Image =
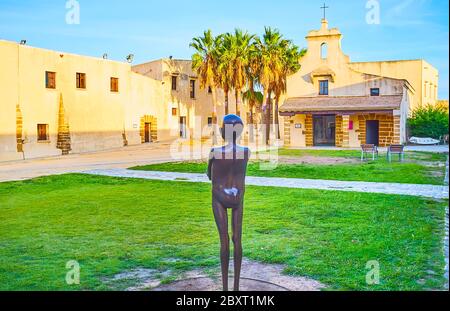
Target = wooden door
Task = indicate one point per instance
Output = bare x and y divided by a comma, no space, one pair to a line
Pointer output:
372,132
147,130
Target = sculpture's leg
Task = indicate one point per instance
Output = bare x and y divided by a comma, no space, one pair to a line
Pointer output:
237,242
221,217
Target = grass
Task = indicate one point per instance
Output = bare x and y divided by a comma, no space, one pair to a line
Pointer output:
348,153
413,172
111,225
319,153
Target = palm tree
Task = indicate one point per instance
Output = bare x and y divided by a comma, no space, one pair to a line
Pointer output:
205,62
224,67
291,56
252,72
271,69
241,45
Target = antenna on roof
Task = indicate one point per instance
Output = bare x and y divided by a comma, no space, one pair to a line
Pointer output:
170,57
105,56
23,42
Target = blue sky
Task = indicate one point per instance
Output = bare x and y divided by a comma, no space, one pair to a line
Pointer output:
150,29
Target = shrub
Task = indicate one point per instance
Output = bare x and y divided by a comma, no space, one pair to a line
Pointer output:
429,121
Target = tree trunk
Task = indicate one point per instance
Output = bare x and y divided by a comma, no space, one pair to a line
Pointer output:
267,113
226,102
238,101
251,106
214,116
251,121
277,122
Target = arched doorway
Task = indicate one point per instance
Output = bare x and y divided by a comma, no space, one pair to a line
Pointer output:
149,129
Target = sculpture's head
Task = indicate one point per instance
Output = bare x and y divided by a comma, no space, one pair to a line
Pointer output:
232,128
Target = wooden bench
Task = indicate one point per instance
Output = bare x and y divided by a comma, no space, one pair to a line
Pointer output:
367,149
396,149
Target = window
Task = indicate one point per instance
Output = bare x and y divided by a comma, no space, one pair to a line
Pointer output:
174,112
425,89
323,87
192,89
81,80
42,132
174,83
324,51
115,85
210,121
375,91
50,79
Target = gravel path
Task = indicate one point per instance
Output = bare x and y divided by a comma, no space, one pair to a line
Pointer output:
431,191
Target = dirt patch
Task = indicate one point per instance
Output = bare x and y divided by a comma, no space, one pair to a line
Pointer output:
210,284
311,160
255,276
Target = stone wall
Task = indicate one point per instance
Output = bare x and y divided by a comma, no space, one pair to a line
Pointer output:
345,131
339,131
309,130
287,131
389,131
64,142
19,129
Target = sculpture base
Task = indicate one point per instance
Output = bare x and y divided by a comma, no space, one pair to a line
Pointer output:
209,284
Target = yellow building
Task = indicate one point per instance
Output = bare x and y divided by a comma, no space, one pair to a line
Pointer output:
191,108
53,103
330,102
422,76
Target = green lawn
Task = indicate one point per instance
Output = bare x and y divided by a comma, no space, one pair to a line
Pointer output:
373,171
111,225
409,155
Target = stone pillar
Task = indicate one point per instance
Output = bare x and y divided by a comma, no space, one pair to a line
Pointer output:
396,138
339,132
19,129
309,131
287,131
63,142
362,129
345,133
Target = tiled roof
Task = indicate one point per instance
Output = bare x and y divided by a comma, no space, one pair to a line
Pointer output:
341,103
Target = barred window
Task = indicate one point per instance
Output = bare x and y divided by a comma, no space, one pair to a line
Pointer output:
42,132
81,80
174,83
50,79
323,87
375,91
192,89
114,84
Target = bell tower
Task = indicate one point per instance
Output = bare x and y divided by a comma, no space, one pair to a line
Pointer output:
324,45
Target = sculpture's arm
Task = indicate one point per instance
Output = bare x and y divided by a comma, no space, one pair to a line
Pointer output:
210,162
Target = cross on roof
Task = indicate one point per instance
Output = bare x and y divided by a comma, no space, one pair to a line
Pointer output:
324,7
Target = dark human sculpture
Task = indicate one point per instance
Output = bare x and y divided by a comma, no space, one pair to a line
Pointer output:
226,169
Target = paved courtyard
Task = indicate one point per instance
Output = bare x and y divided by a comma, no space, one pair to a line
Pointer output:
75,163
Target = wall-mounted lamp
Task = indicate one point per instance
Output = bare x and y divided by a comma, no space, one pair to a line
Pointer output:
130,58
